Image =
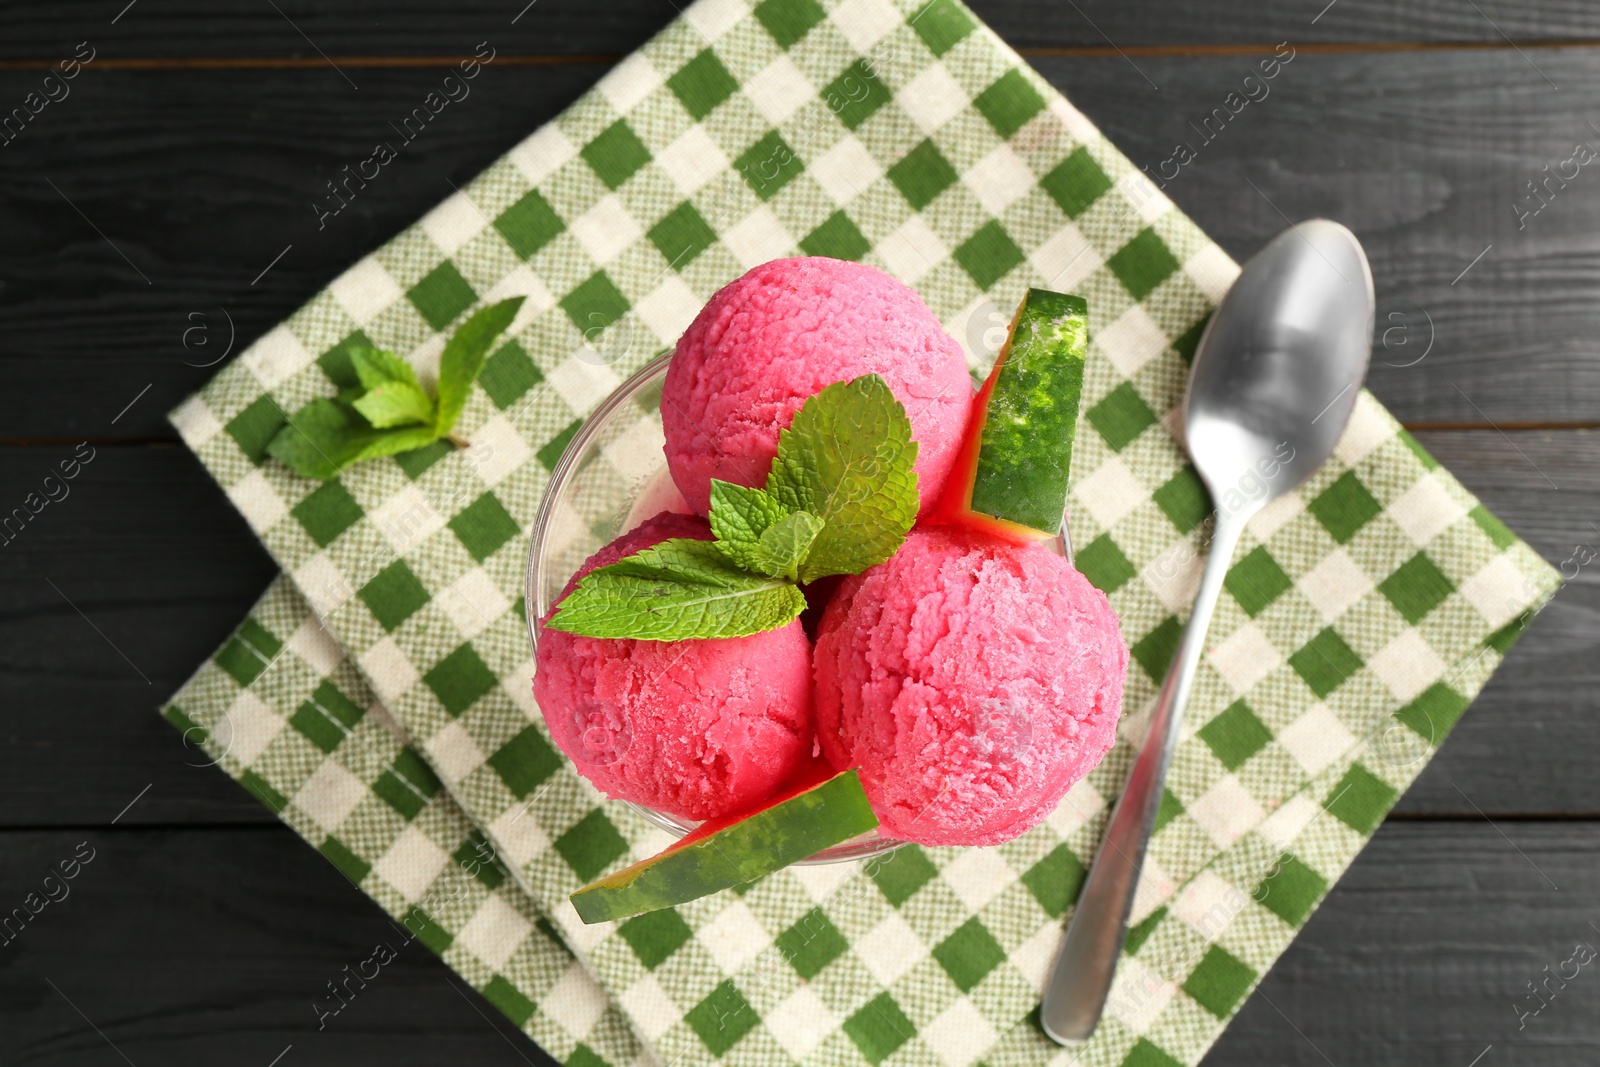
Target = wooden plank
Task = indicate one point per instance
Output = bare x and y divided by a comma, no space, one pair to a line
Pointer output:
194,947
203,214
1416,957
162,568
1423,952
1422,154
159,560
418,27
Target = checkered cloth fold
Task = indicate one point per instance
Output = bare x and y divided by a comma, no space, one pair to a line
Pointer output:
378,698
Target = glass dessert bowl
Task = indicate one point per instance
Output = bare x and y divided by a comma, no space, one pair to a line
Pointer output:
611,477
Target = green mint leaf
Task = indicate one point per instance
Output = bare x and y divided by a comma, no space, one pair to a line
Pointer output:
784,545
739,516
325,437
847,458
680,588
376,367
464,354
395,403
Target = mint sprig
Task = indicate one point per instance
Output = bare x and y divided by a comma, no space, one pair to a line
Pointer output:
847,459
840,497
391,412
677,589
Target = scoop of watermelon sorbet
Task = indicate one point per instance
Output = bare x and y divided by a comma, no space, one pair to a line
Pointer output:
775,337
696,729
972,681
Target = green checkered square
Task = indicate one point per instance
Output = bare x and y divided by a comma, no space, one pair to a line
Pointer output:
1076,183
879,1028
812,943
1104,564
507,376
1433,712
682,234
1291,889
701,84
442,295
416,462
407,785
595,304
655,936
969,954
1235,735
1256,580
525,762
617,154
1325,662
255,427
1184,500
326,512
550,454
327,717
483,526
855,95
942,25
592,845
722,1018
837,238
1146,1053
1361,800
394,595
1417,587
789,20
922,174
1220,982
529,224
1009,103
989,254
459,679
1143,263
902,874
1120,416
249,652
768,165
1344,507
1055,880
1154,650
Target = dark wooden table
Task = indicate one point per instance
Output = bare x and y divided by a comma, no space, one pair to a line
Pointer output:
141,213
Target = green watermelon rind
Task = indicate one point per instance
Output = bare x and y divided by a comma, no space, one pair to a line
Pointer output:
1025,454
768,840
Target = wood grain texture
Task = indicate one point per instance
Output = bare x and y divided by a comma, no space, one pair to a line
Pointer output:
1415,960
199,181
209,947
1423,155
1418,956
244,28
199,139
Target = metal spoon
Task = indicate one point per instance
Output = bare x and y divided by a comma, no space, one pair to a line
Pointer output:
1275,378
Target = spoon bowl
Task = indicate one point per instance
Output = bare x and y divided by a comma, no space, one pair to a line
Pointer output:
1279,366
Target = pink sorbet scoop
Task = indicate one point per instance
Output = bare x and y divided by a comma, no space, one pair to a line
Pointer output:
696,729
780,334
972,680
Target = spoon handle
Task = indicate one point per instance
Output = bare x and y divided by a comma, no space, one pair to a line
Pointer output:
1076,993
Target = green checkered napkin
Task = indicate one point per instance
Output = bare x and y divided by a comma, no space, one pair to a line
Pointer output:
1365,611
